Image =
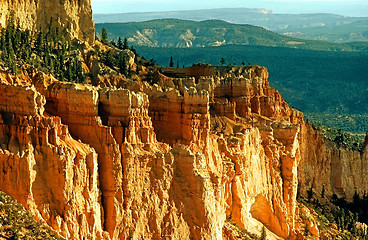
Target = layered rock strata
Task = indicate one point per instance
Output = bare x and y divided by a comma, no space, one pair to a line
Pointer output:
44,168
327,167
147,162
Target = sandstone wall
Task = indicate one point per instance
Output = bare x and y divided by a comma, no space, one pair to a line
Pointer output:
44,168
74,16
141,162
235,177
337,169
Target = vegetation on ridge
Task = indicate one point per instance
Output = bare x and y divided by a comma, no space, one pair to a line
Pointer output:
49,50
344,139
17,223
335,216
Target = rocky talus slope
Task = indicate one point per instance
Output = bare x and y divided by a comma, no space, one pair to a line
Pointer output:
174,160
72,16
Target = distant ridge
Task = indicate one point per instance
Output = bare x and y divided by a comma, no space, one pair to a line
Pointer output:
209,33
258,17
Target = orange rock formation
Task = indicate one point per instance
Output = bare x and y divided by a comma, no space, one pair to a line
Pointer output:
176,160
87,161
336,169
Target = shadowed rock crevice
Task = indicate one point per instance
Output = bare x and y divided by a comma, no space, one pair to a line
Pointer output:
103,114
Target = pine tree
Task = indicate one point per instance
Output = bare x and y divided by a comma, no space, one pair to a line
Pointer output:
11,60
120,43
104,36
11,25
57,34
13,66
69,71
51,66
171,62
122,64
109,59
263,234
125,45
2,41
50,29
17,40
39,41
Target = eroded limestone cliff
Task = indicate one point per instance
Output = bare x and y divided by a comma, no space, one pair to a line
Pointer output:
181,159
326,166
44,168
194,157
114,176
72,16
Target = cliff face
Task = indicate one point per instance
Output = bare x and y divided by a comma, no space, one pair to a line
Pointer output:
73,16
44,168
113,178
336,169
186,158
182,159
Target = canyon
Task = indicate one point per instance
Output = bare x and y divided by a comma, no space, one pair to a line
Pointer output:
176,159
201,156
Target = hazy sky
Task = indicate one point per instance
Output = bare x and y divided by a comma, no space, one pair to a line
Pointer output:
343,7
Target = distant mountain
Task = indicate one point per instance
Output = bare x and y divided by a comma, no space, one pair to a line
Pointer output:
209,33
356,31
258,17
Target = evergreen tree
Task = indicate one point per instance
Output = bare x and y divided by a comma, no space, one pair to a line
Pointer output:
2,41
13,66
109,59
113,43
11,60
57,34
50,29
79,71
39,41
11,26
122,64
17,40
104,36
50,65
125,45
171,62
120,43
310,193
69,71
263,234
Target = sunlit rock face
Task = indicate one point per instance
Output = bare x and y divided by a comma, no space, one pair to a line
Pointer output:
181,158
326,166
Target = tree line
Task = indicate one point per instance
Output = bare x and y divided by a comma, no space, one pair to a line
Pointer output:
49,50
